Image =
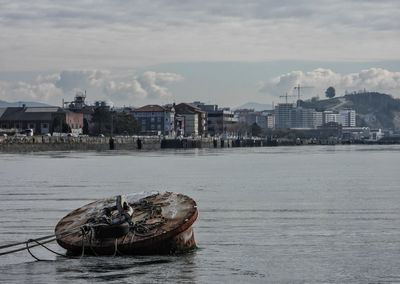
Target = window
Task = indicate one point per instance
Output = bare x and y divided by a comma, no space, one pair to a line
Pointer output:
159,119
152,119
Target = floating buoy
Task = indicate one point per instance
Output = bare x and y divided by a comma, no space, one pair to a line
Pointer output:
135,224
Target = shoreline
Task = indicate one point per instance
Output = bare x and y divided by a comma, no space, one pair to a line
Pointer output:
14,144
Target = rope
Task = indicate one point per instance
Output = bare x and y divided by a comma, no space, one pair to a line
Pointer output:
60,235
115,247
90,241
28,247
49,249
83,241
25,248
46,239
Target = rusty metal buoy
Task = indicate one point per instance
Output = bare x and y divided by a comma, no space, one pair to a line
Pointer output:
159,223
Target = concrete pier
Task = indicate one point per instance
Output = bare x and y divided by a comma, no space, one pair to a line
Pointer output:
50,143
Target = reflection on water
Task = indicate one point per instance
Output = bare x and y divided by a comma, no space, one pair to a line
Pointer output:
104,270
283,214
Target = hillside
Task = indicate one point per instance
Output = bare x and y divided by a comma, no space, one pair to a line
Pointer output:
373,109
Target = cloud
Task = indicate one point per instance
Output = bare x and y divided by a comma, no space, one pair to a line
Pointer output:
158,13
23,91
373,79
69,80
77,34
155,84
100,84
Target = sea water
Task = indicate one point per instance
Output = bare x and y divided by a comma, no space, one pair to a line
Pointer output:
306,214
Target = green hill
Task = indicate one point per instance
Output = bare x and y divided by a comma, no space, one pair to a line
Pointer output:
373,109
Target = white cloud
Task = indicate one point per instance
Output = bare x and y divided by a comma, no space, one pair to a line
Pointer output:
373,79
100,84
155,84
23,91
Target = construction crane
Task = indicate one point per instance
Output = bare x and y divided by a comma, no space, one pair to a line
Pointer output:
299,88
286,96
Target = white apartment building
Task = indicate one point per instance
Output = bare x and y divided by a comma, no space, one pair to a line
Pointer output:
317,119
330,116
347,117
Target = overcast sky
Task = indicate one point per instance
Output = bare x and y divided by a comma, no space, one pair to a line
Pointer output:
121,50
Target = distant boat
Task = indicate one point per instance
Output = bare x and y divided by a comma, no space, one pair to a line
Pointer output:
135,224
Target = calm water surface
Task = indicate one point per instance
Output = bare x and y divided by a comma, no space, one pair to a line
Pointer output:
281,215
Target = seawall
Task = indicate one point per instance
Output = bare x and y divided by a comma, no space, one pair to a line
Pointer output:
49,143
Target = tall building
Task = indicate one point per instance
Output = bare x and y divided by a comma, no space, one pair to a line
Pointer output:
270,120
283,115
347,117
317,119
302,118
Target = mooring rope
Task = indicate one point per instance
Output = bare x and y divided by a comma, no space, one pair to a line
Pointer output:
43,240
60,235
56,253
26,247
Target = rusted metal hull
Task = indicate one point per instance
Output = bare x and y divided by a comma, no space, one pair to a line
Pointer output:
164,226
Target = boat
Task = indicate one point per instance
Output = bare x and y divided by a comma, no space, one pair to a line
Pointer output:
134,224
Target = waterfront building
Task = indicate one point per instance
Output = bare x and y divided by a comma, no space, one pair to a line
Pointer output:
221,121
350,134
41,120
376,134
79,105
195,119
330,129
155,119
179,125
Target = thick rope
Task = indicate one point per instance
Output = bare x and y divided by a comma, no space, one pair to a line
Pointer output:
37,241
26,247
60,235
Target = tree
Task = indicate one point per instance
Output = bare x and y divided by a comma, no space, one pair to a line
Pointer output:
59,125
125,123
102,120
255,130
85,128
330,92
